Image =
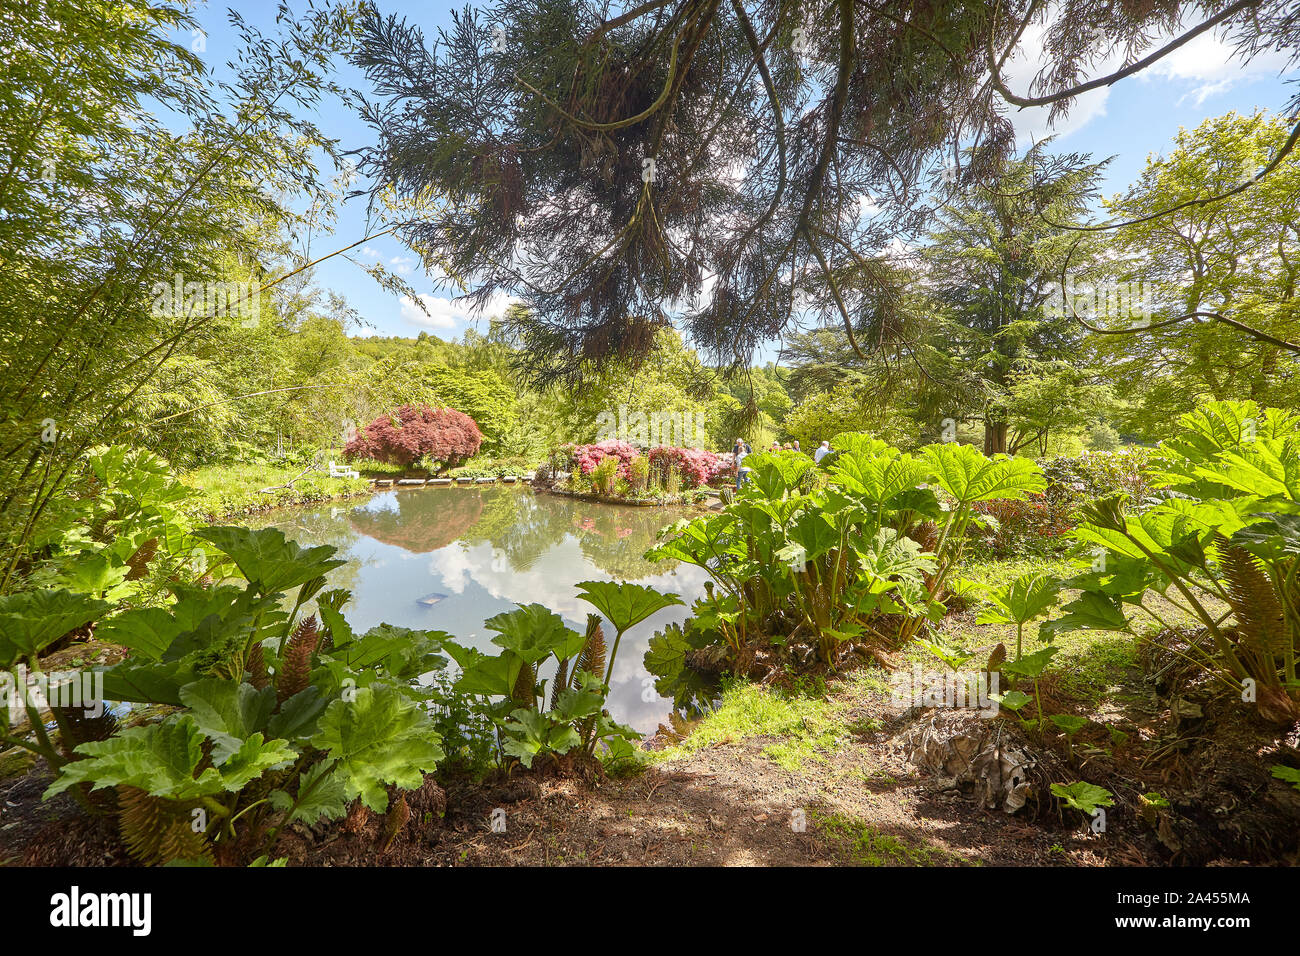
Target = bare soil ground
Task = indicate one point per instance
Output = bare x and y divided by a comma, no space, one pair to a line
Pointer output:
727,805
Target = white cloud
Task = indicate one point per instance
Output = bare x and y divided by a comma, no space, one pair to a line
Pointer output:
370,252
897,249
700,301
401,264
1207,63
1031,123
444,313
440,314
453,567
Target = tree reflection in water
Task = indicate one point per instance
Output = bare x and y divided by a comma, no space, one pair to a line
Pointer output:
406,521
615,539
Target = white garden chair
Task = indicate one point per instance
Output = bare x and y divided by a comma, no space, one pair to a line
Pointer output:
341,471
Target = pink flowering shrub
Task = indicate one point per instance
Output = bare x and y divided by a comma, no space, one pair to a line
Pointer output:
414,432
696,466
587,457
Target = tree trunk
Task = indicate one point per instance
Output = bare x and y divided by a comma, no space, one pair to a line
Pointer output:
995,437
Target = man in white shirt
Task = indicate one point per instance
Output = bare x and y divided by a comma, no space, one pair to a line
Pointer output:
822,451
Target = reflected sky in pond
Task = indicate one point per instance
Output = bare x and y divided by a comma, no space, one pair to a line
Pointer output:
449,557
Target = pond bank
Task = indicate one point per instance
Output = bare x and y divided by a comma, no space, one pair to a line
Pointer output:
711,495
728,803
226,492
827,774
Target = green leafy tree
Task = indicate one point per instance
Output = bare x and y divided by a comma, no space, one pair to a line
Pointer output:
587,161
482,394
106,204
1238,257
994,257
849,407
1054,400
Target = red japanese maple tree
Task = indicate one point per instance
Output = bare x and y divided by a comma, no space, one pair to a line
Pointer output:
414,432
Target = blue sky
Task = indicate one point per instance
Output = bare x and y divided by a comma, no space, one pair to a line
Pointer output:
1135,118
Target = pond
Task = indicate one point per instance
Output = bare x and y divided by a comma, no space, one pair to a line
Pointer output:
449,557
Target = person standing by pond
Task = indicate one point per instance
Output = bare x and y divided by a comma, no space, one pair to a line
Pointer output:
738,452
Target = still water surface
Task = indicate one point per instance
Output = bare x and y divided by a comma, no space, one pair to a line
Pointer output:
449,557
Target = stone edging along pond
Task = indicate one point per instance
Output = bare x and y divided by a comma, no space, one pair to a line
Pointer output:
448,482
528,479
537,485
628,502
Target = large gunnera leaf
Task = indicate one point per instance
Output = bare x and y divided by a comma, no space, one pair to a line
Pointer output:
878,478
1277,536
624,605
379,737
532,733
267,560
533,632
1090,611
228,712
318,799
969,476
150,632
32,620
665,658
403,652
164,758
1019,602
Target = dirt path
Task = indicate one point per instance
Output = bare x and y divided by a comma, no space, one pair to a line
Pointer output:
734,803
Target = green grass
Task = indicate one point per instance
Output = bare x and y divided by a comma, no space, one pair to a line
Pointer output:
370,467
229,490
811,722
996,573
810,725
1090,662
865,846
